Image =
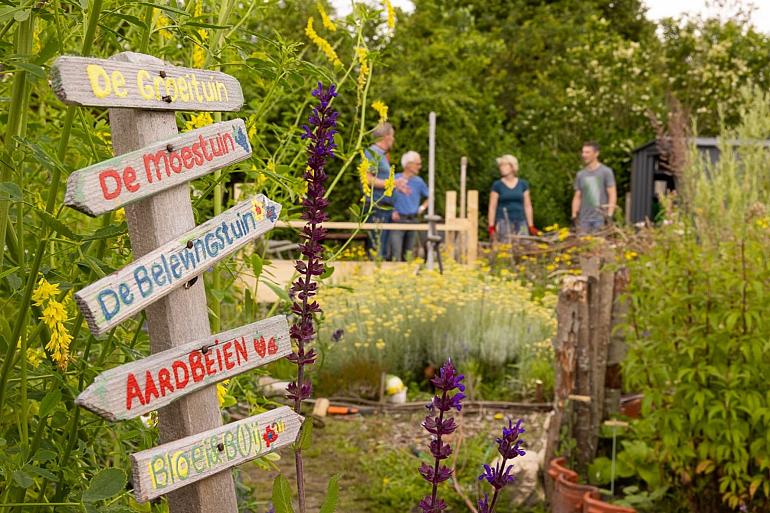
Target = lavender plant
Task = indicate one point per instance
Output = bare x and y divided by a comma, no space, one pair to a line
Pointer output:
509,447
319,132
438,426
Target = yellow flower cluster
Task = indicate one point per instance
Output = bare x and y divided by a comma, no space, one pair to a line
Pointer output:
362,54
222,392
199,52
363,174
322,43
381,109
55,318
391,14
327,22
161,22
199,121
390,183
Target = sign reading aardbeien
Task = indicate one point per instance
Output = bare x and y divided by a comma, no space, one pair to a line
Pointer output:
120,295
111,83
170,466
145,385
132,176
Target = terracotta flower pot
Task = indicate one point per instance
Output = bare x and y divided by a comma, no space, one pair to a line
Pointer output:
595,505
556,467
568,495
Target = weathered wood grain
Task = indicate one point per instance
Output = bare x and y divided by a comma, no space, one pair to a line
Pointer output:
139,83
171,466
122,294
132,176
145,385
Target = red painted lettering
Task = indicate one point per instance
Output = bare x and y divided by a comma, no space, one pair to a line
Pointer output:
164,380
133,391
187,157
196,149
259,346
210,370
196,367
176,168
180,382
150,390
219,356
227,354
272,347
240,350
129,177
106,192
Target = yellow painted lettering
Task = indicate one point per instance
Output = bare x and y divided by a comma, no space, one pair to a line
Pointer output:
159,83
171,82
183,89
221,88
119,84
144,89
100,81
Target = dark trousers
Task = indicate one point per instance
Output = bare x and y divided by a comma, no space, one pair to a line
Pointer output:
402,241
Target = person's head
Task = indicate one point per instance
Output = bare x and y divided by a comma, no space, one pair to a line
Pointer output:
384,135
508,165
411,162
590,153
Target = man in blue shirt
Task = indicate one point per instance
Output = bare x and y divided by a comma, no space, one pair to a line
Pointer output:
380,205
406,205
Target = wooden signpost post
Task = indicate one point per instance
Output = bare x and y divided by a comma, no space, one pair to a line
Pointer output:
150,178
173,465
145,385
120,295
130,177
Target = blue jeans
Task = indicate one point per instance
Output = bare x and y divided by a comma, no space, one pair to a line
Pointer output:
378,240
402,241
590,225
507,230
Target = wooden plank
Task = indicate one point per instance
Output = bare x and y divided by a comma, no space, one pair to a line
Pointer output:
463,173
139,387
181,315
171,466
142,84
456,226
132,176
473,227
450,214
116,297
600,340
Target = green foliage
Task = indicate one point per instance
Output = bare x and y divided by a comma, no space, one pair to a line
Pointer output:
105,485
282,495
698,330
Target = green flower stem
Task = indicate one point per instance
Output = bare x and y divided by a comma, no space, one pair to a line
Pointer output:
146,36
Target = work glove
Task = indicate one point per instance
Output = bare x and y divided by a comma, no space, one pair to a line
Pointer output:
534,231
491,231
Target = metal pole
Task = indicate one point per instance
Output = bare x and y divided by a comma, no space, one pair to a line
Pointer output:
431,184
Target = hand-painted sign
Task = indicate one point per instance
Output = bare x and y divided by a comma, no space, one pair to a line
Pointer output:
122,294
139,387
170,466
132,176
112,83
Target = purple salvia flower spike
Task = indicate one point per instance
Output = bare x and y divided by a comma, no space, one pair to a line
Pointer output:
509,447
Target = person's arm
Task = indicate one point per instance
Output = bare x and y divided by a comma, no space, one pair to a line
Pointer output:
576,204
528,213
612,200
493,198
374,182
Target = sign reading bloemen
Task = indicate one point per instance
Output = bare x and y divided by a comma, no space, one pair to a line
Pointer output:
168,467
122,294
132,176
112,83
139,387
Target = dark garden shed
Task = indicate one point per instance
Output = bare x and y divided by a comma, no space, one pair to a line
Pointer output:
651,177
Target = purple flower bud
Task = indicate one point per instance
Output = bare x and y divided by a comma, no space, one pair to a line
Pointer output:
338,334
440,450
484,504
431,505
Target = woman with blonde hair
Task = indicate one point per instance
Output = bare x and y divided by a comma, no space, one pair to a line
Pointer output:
510,208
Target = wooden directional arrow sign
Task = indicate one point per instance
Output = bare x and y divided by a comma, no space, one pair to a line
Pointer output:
132,176
112,83
122,294
170,466
139,387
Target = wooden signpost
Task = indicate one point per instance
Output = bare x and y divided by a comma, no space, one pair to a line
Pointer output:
145,385
170,251
120,295
130,177
173,465
143,85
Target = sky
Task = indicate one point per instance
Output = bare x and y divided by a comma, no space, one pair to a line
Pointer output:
657,9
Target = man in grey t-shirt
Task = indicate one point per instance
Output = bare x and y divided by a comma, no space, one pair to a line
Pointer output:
595,192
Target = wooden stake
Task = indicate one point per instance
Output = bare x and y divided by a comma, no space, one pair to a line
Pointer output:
473,226
431,182
183,314
463,170
450,215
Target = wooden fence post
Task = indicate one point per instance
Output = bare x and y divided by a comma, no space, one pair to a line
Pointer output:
473,227
463,171
183,314
450,216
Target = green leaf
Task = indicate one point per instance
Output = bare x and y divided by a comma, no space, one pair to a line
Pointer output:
282,495
328,271
22,479
8,271
49,402
278,291
108,232
33,69
57,225
256,265
201,24
332,496
133,20
167,8
106,484
9,190
305,435
21,15
45,455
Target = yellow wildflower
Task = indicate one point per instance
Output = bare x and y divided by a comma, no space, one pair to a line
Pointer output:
391,14
321,43
381,109
380,345
35,356
630,255
53,314
390,183
120,215
59,345
363,73
363,174
222,392
550,267
563,234
199,121
328,23
551,228
43,291
161,22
